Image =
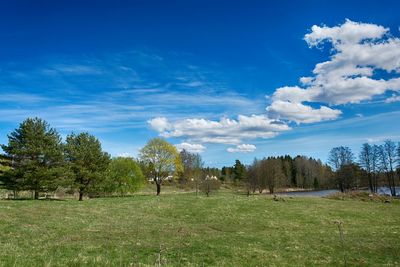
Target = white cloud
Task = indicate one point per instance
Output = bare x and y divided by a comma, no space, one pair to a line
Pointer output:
392,99
125,155
159,124
193,148
349,32
359,50
243,148
224,131
300,113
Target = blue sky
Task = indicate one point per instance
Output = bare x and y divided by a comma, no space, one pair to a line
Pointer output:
218,77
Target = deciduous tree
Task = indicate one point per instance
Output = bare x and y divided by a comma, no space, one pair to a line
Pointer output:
162,159
123,176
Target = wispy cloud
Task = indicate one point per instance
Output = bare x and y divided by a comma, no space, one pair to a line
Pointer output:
115,92
22,98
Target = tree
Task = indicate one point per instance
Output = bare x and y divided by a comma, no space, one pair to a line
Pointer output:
5,168
254,176
239,171
369,161
86,160
162,159
273,173
340,156
347,176
192,165
35,151
123,176
387,159
226,173
209,184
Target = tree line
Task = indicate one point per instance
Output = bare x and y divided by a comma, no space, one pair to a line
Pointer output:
270,173
377,165
36,159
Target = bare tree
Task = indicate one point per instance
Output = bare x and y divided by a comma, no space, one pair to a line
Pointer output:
368,161
253,176
339,158
209,184
387,160
273,173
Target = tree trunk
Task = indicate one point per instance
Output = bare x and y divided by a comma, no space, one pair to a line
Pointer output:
370,182
392,190
36,195
80,195
158,188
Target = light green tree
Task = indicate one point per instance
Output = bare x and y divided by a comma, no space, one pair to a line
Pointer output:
161,159
123,176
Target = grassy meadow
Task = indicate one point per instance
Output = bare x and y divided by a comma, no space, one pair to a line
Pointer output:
225,229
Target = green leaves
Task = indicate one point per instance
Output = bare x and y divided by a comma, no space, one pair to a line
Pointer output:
162,157
123,176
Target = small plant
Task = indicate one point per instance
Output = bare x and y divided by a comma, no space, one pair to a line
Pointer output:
341,235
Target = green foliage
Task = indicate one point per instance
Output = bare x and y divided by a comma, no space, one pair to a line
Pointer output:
239,171
37,160
86,161
123,176
161,160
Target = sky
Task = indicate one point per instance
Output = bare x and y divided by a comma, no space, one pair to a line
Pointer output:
226,79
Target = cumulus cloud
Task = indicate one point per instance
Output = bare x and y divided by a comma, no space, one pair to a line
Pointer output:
193,148
299,113
224,131
359,50
160,124
243,148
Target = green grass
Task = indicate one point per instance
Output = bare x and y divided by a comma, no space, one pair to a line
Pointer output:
223,230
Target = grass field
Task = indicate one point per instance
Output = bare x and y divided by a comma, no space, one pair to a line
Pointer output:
225,229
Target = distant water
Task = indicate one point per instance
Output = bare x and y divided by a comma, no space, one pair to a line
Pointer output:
323,193
319,193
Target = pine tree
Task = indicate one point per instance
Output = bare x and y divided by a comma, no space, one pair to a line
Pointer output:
35,151
86,161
